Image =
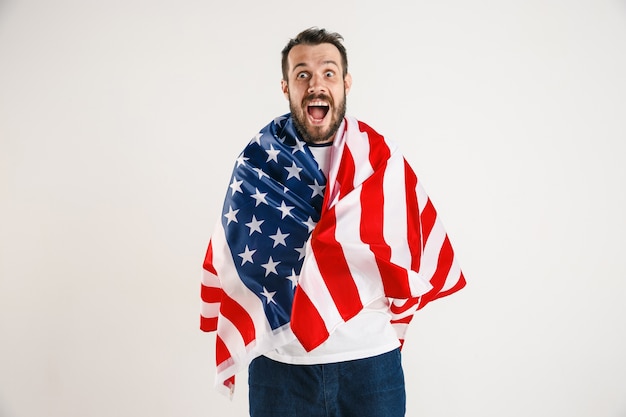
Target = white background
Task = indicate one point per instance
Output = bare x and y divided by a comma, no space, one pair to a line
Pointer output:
119,124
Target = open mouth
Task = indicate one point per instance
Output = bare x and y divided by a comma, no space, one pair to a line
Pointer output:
318,110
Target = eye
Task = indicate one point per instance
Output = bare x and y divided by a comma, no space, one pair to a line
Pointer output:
329,73
302,75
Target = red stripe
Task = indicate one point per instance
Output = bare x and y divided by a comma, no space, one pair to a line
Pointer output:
394,278
208,324
379,151
428,218
211,294
404,320
208,259
306,322
221,351
396,309
459,284
240,318
414,236
333,267
444,263
230,382
346,172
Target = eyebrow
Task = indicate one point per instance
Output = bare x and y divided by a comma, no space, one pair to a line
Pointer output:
302,64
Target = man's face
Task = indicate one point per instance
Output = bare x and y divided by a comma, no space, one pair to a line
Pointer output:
316,90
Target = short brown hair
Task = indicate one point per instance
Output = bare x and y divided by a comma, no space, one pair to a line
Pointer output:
315,36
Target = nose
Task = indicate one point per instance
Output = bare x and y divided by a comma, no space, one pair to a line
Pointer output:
316,84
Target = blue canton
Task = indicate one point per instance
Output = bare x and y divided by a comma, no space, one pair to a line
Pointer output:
273,203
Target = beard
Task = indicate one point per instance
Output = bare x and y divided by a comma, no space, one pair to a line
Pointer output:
317,134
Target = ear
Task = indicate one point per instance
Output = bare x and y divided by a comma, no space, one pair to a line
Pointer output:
285,87
347,82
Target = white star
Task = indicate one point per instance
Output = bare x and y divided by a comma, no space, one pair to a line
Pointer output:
278,120
231,215
301,251
294,171
299,146
270,266
285,209
293,278
255,225
279,238
309,223
257,138
317,189
272,154
241,160
259,197
236,186
246,256
269,295
261,173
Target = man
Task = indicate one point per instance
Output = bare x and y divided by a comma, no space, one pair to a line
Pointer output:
326,247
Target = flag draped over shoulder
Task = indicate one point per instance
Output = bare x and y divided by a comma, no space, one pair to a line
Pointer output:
294,255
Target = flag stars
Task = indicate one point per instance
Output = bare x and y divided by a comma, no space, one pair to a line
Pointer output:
257,138
269,296
272,154
231,215
310,224
301,251
293,278
255,225
270,266
299,146
241,160
259,197
246,255
317,189
294,171
260,172
235,186
279,120
285,209
279,238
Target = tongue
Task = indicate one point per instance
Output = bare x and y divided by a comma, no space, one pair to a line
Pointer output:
318,112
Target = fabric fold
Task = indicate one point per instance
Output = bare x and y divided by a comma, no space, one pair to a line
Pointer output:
295,255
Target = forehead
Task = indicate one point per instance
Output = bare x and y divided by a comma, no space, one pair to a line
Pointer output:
314,55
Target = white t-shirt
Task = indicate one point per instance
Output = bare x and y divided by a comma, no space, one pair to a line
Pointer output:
369,333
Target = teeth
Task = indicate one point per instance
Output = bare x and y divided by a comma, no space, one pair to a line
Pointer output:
318,103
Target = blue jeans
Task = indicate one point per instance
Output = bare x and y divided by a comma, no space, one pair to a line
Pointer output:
370,387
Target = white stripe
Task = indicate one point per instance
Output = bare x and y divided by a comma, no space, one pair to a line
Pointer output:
209,279
210,310
359,257
395,215
422,197
232,284
453,276
358,143
231,337
313,285
432,248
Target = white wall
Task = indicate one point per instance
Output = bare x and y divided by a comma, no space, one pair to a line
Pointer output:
119,124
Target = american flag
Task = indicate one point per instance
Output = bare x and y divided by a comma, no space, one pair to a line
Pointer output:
296,256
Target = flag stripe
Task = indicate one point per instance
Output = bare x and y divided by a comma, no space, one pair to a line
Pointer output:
413,223
334,270
377,235
312,328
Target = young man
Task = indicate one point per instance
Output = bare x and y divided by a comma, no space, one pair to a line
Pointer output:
327,246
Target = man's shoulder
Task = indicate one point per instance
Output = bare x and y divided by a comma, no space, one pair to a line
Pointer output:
374,136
